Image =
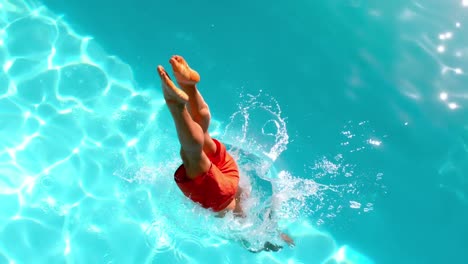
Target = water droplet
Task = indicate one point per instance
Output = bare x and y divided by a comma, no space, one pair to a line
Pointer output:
441,49
354,205
443,96
453,106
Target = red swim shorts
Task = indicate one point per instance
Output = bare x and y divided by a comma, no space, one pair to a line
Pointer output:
216,188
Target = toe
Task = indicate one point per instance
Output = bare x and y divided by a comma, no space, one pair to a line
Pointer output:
160,70
175,66
162,73
178,58
173,62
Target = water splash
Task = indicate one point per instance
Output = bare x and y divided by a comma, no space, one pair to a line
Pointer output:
348,187
108,133
266,111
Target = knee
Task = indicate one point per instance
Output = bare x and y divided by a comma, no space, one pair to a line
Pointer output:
205,117
195,144
205,113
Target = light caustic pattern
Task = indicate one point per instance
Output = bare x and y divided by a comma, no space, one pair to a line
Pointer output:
444,46
331,186
84,162
444,40
431,71
454,171
70,116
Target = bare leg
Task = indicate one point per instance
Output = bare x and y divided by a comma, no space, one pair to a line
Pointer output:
187,79
197,107
190,134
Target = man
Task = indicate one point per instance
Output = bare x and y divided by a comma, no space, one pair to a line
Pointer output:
209,175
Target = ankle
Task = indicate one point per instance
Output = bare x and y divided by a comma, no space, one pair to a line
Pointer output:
175,105
189,88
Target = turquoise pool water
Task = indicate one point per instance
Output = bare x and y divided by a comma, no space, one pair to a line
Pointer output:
348,116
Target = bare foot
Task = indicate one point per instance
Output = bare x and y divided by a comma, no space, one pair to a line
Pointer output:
184,75
171,93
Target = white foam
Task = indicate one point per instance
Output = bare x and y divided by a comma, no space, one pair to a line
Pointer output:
252,105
